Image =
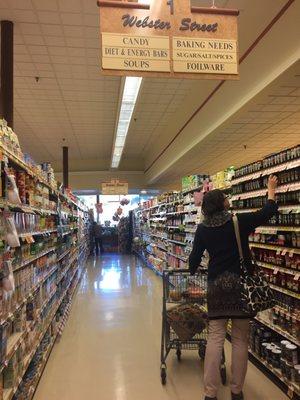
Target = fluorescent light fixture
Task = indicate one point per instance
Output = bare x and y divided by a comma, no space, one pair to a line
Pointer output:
130,93
143,191
145,1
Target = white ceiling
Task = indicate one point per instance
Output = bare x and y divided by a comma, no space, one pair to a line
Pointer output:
58,41
270,122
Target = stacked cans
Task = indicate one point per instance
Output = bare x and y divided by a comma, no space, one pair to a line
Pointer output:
280,354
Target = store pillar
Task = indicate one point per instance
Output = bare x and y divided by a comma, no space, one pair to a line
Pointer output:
66,166
7,72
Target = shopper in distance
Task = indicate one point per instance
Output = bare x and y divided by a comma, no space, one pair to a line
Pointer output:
98,240
227,298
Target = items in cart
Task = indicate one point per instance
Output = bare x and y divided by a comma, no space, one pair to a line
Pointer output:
187,320
186,288
185,325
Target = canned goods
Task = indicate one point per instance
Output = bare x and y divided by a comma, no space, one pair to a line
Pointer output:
283,345
297,373
291,354
283,366
264,350
276,356
269,349
289,368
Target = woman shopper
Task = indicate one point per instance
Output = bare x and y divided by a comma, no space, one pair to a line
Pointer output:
216,235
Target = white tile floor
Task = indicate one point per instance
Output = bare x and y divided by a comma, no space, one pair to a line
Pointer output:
110,349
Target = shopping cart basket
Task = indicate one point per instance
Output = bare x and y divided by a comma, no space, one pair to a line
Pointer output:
184,318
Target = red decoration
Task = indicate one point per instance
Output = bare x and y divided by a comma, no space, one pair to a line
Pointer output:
99,208
124,202
119,211
116,217
198,198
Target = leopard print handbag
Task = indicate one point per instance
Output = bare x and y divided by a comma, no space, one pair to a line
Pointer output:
256,294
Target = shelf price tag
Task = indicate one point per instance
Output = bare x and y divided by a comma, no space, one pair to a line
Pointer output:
291,253
284,252
278,252
276,270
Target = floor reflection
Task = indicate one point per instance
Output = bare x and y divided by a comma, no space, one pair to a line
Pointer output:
110,280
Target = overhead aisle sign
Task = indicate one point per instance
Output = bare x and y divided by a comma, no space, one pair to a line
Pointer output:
114,187
168,39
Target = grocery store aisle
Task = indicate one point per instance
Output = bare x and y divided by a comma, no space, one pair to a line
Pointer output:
110,348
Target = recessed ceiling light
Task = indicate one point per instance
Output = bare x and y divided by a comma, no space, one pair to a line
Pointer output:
129,96
143,191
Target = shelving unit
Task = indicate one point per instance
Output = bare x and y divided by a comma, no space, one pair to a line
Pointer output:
166,228
52,229
276,250
286,224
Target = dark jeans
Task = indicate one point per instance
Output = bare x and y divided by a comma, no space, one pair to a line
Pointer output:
99,245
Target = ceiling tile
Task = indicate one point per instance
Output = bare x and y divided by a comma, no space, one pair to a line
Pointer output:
21,4
49,17
45,5
55,40
91,19
70,6
72,19
20,49
30,29
43,67
34,39
4,4
52,30
22,58
57,51
25,16
60,59
38,50
40,58
74,31
76,52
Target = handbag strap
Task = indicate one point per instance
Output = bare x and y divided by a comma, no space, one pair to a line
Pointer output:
238,236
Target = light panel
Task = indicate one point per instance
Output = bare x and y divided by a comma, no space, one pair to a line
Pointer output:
130,93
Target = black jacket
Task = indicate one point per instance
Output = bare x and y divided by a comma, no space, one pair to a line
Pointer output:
220,242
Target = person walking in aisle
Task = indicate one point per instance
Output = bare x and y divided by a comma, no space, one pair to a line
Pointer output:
97,232
216,235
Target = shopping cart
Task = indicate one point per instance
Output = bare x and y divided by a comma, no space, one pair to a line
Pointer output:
181,289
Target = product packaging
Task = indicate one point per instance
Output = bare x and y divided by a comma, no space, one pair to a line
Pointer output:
12,191
11,237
